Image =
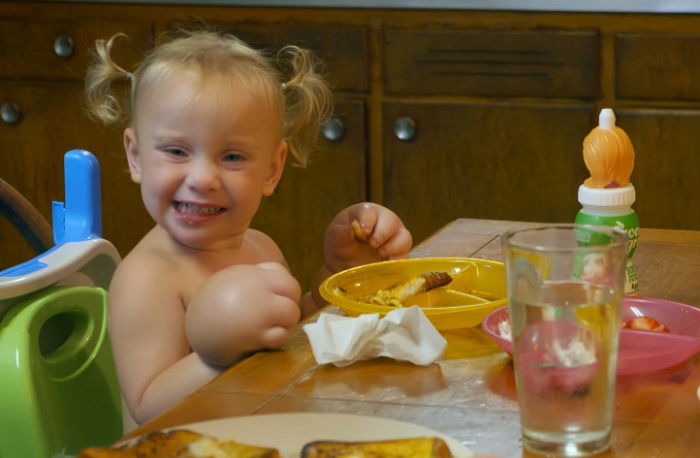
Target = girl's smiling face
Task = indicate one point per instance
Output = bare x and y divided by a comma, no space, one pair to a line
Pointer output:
205,151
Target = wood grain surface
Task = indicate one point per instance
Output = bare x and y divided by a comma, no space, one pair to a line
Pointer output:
470,394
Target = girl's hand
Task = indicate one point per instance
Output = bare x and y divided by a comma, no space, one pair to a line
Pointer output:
385,237
240,309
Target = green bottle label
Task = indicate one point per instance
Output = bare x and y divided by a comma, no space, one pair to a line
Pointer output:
629,223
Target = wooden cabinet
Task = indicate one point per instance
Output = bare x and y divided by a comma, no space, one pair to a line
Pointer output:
658,85
488,158
496,161
498,109
667,166
41,79
447,114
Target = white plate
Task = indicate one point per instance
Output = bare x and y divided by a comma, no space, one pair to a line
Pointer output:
289,432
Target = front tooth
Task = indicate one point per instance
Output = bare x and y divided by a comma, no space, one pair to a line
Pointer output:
190,208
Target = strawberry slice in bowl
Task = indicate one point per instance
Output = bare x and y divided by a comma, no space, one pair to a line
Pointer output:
645,323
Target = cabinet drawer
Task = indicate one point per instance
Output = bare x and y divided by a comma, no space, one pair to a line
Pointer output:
60,50
662,67
491,63
341,49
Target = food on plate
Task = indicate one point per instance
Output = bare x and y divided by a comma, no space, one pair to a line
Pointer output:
359,233
504,330
183,443
645,323
180,443
396,295
419,447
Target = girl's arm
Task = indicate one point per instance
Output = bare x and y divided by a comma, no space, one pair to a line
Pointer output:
386,238
155,365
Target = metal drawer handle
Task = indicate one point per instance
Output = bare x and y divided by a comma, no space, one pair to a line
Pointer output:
405,129
10,113
333,129
63,46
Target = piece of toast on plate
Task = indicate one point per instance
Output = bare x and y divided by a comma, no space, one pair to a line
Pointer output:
180,443
419,447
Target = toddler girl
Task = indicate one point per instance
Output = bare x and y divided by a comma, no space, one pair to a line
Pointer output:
211,125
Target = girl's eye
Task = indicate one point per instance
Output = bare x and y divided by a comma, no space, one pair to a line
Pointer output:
233,157
176,152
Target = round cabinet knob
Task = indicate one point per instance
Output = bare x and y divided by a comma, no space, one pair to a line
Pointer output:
10,113
333,129
63,46
405,129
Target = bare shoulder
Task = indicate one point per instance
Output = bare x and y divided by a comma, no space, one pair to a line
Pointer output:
141,276
145,265
265,246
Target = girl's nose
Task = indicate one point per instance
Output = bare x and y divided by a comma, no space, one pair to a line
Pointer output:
203,175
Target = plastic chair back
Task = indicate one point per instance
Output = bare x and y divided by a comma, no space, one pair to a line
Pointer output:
58,390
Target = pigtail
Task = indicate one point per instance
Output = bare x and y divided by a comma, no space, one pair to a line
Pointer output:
102,72
309,102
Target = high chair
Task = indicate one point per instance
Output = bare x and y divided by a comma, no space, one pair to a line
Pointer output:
58,386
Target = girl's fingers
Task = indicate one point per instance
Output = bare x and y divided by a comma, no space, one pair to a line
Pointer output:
398,246
274,337
281,282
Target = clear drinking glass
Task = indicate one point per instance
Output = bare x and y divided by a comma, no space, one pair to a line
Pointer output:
565,291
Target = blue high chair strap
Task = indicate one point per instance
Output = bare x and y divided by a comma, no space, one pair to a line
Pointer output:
77,228
80,217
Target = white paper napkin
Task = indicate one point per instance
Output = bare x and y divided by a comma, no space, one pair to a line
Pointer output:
403,334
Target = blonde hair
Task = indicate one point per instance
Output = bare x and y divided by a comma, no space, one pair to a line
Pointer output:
304,99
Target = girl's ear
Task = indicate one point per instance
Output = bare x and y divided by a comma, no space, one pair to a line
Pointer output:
276,168
132,154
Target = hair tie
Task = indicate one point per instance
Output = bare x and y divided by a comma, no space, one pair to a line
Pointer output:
284,86
129,76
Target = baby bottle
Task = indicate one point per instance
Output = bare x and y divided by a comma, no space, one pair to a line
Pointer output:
606,197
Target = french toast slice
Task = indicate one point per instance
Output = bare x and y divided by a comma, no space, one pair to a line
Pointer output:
418,447
181,443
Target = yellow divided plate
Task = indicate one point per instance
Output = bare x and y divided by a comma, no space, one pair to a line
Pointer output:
478,287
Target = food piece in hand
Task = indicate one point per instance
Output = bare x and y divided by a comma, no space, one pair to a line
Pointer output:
359,233
180,443
396,295
645,323
419,447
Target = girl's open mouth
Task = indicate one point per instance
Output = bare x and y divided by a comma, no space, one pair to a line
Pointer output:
194,209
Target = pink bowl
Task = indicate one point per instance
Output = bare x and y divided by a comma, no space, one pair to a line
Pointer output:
639,351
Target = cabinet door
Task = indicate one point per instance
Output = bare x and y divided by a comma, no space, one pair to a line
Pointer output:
297,214
666,172
53,121
473,160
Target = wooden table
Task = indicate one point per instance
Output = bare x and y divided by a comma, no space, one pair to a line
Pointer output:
470,394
